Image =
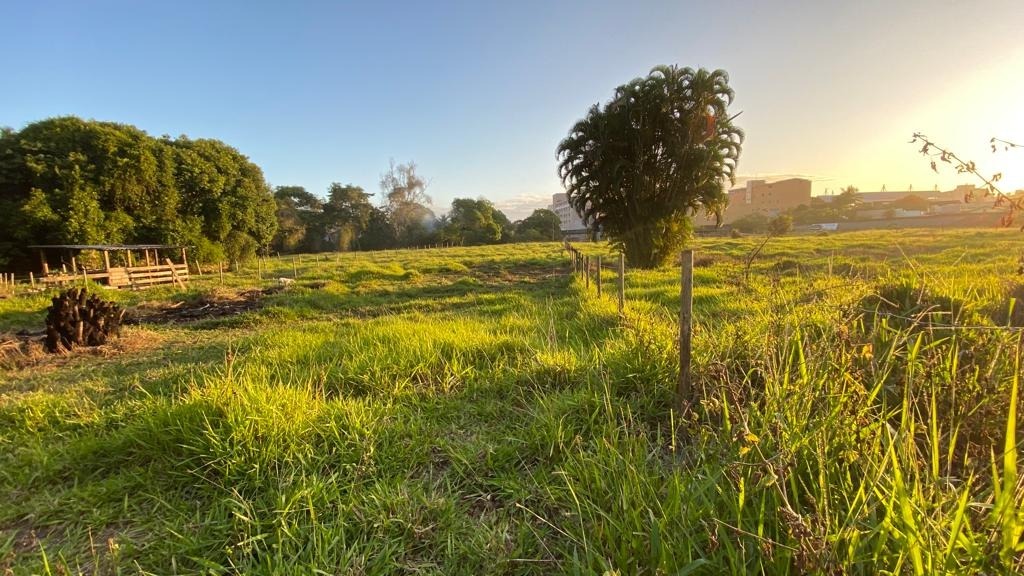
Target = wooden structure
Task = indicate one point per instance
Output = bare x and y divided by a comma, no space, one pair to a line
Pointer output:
121,265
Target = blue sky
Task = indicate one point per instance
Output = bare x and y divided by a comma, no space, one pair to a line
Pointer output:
480,93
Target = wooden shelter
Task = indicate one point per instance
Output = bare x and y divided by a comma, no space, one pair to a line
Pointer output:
121,265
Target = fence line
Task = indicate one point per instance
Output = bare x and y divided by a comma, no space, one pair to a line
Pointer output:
582,264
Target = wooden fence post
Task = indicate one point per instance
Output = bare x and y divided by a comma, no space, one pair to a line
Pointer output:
32,279
684,391
622,283
220,266
598,276
586,270
295,269
259,268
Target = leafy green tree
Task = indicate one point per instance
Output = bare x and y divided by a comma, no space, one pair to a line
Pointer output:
346,214
659,151
543,224
68,180
300,221
472,222
378,234
228,191
508,229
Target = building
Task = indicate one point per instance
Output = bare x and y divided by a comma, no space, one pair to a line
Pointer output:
571,220
760,196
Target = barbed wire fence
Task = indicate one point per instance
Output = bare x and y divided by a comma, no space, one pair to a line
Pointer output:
591,269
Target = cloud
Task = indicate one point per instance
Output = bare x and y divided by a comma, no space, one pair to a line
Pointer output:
522,205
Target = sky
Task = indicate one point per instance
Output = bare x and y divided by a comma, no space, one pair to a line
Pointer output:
478,94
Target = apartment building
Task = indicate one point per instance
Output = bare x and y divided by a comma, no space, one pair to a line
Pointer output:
571,220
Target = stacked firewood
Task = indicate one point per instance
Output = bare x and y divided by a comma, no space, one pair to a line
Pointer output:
77,319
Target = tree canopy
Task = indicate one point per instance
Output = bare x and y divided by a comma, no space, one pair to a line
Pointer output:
543,224
346,214
68,181
472,222
658,152
406,201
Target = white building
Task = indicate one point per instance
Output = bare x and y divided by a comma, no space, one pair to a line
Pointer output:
571,220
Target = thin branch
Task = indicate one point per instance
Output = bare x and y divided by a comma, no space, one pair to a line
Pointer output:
934,151
1006,144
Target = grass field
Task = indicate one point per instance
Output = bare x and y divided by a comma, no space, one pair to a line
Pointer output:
478,410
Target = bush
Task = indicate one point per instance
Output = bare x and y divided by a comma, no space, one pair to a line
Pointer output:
240,247
756,223
780,225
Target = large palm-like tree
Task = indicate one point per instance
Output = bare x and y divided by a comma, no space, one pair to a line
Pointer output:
658,152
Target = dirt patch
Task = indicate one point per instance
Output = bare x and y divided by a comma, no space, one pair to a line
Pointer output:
24,540
523,273
27,349
217,303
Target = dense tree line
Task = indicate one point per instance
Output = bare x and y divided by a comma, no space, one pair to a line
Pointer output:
72,181
349,220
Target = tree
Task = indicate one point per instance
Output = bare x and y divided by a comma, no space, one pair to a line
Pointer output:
472,222
406,201
299,219
68,180
507,228
659,151
346,214
543,224
847,198
378,233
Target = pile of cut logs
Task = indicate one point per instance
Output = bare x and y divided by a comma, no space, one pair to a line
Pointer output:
77,319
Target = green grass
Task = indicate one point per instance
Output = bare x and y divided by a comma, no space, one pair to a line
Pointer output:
477,410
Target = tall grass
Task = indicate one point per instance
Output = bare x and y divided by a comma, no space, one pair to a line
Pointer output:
477,411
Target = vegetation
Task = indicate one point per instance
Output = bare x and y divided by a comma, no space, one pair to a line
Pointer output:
473,222
659,151
542,224
73,181
760,223
477,410
405,194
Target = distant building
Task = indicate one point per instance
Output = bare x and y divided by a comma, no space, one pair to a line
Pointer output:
963,198
571,220
760,196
